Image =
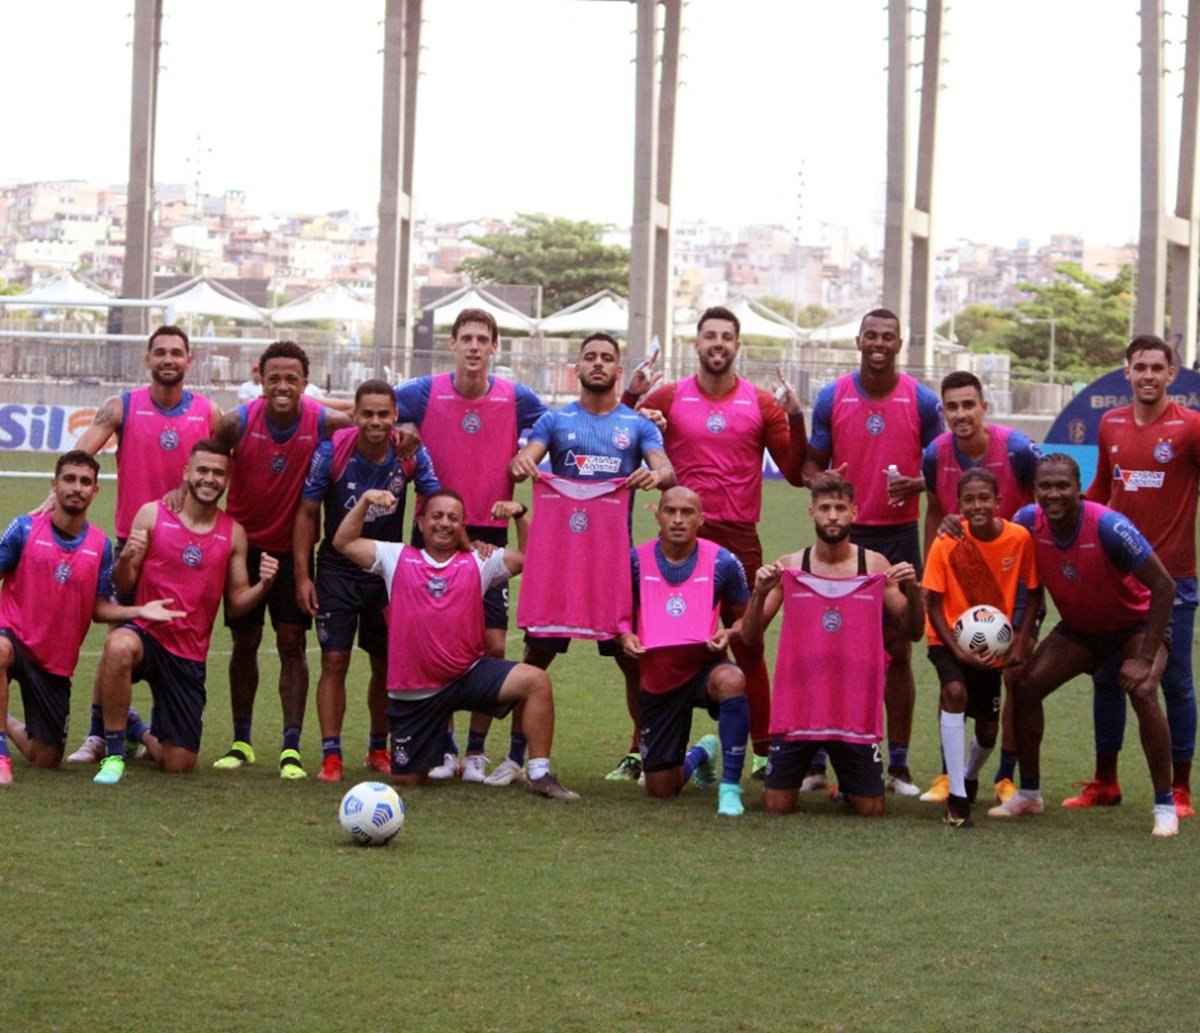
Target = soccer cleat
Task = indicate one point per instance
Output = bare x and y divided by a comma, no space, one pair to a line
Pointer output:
379,760
448,768
958,813
1166,823
939,792
331,769
1017,806
474,767
900,782
1005,790
550,787
705,776
729,800
505,773
814,780
758,768
239,753
1095,794
6,771
135,750
1183,802
112,770
91,751
290,767
629,769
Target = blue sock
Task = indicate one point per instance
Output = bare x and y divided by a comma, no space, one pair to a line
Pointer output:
1164,799
135,727
733,726
291,737
694,757
1007,766
475,741
897,755
516,748
331,746
377,741
3,744
115,741
451,743
96,725
241,729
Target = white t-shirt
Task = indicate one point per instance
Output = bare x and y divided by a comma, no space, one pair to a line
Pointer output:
492,570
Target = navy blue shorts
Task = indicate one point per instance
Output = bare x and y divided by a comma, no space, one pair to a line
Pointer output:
1108,649
45,696
898,542
667,720
418,726
280,600
351,600
177,685
859,766
983,687
560,644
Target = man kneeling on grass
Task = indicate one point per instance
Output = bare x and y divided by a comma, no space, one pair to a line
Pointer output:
437,663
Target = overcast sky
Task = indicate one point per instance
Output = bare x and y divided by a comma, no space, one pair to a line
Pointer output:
527,105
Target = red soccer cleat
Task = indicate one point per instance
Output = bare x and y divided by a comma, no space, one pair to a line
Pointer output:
1183,802
379,760
1095,794
331,769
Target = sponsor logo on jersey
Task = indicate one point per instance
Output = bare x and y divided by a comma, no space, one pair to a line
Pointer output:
1163,452
192,555
586,465
676,607
831,621
716,422
62,573
1136,480
875,424
436,586
471,423
578,521
168,439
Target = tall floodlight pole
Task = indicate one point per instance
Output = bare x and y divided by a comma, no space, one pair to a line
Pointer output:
1152,250
1183,229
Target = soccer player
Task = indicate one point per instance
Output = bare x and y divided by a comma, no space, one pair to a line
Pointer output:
155,427
57,574
437,663
873,425
986,566
345,599
974,443
199,555
273,438
834,595
591,440
1114,597
717,429
682,582
470,421
1149,469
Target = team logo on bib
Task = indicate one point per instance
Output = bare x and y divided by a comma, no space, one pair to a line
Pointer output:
875,424
471,423
715,422
168,439
620,438
578,522
278,463
1163,452
192,555
831,621
436,586
1069,572
62,573
676,607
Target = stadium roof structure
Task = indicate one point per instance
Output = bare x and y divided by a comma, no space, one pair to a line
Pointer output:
756,321
64,291
605,310
201,296
445,310
337,304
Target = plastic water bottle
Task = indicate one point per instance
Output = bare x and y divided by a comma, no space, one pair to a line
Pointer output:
892,473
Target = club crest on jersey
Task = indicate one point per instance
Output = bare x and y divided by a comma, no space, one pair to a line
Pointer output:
875,424
1069,572
578,521
1163,452
716,422
436,586
62,573
192,555
278,463
168,439
831,621
471,423
676,607
621,439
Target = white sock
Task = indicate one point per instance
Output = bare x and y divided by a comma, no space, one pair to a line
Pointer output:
538,766
977,757
954,743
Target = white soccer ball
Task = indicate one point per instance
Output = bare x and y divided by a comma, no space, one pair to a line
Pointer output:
983,626
372,813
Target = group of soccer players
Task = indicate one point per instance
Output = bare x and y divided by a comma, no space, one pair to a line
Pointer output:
1002,522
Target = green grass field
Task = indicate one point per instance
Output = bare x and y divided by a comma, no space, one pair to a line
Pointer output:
234,902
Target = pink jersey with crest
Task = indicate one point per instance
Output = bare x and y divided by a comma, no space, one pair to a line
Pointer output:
154,449
831,664
188,567
577,580
995,460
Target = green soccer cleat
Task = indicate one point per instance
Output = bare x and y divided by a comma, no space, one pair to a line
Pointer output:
705,776
112,770
290,766
239,753
629,769
729,800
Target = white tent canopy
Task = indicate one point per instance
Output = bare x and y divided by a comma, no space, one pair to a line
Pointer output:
605,310
445,310
840,330
756,321
336,304
64,291
201,296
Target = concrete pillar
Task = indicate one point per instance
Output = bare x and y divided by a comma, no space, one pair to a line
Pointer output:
1183,231
1152,252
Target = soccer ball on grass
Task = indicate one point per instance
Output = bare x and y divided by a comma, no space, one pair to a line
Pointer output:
372,813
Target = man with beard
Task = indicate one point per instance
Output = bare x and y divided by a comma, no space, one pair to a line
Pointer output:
595,439
834,596
717,429
155,427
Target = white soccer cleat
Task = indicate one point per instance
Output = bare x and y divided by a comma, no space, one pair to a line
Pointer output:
901,786
449,768
1018,806
91,751
505,773
814,781
474,767
1166,821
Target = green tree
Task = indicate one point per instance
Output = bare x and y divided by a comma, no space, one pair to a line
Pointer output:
567,259
981,328
808,315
